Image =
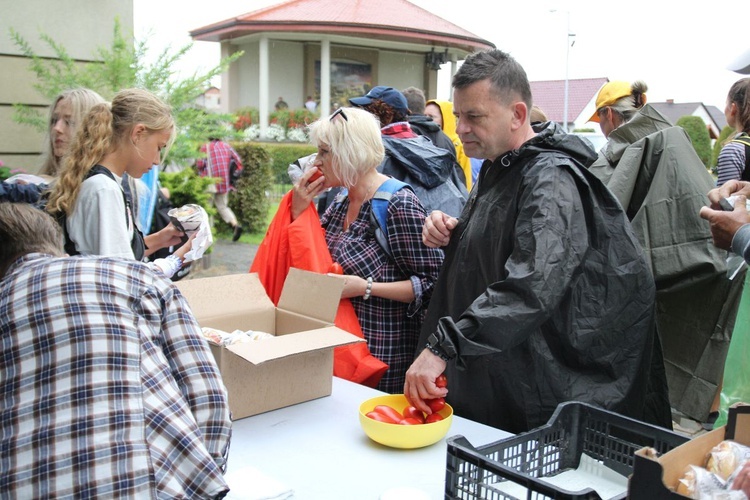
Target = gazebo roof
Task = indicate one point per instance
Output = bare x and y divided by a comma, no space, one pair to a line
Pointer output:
386,20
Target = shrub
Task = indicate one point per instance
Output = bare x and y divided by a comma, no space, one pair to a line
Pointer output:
187,187
249,202
280,118
275,132
698,133
282,155
301,118
246,117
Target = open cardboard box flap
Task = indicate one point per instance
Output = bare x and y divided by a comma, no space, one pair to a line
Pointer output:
293,366
223,296
282,346
311,294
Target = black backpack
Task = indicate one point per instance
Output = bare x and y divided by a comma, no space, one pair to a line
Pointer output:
234,172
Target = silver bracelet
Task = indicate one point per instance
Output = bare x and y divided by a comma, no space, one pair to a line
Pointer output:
368,290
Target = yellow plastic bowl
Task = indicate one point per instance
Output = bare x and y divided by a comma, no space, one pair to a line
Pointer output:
402,436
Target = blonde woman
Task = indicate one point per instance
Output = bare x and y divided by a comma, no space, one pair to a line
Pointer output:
128,136
389,292
65,115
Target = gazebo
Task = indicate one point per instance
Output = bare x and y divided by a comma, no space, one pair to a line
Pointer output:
333,49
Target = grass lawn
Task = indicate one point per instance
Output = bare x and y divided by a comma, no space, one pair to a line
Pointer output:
254,238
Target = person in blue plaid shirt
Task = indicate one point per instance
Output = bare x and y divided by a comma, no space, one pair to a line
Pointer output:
108,389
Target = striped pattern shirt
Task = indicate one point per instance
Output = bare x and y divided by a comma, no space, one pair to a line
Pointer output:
391,328
731,162
108,388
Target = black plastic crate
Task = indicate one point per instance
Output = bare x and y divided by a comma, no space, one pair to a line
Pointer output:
575,428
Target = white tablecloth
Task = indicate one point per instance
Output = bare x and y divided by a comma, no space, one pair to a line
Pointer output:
318,450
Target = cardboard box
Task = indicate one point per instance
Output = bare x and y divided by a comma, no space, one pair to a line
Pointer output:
657,478
294,366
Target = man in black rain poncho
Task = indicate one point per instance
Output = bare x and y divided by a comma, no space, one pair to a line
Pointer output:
544,295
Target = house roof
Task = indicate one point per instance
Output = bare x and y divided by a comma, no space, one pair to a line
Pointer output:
676,110
549,95
717,116
393,20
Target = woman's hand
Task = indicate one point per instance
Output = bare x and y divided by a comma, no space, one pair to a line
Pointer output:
354,286
305,191
167,237
180,252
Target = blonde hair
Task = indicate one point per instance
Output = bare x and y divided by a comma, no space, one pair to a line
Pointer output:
81,101
355,142
102,132
627,106
537,115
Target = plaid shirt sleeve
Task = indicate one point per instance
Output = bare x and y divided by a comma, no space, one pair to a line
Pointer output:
195,371
421,263
107,388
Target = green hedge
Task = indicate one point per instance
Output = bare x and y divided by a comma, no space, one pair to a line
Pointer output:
264,166
696,129
282,155
250,201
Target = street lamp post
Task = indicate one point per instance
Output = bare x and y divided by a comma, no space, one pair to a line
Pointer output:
568,45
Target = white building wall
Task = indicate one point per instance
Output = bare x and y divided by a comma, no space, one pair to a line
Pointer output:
400,70
285,72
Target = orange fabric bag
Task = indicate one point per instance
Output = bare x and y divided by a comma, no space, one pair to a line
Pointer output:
301,244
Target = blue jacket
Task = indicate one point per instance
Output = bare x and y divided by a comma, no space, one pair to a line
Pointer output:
27,193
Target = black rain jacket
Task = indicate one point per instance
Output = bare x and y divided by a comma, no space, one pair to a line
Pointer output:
431,171
545,295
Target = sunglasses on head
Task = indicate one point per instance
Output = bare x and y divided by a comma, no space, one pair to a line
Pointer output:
339,111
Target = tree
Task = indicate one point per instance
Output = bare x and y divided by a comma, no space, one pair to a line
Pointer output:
698,133
120,66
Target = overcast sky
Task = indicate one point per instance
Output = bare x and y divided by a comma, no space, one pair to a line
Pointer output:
680,49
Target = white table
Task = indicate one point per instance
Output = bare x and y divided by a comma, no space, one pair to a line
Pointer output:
319,450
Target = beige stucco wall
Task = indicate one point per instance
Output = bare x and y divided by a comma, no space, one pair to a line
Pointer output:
79,26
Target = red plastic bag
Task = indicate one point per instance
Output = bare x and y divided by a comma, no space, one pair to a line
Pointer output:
301,244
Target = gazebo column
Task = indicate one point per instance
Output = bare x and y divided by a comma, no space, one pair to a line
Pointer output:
325,77
453,72
263,84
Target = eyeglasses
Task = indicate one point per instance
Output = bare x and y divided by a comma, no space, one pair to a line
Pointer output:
339,111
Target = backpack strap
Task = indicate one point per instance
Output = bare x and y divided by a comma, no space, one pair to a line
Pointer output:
137,243
744,139
379,212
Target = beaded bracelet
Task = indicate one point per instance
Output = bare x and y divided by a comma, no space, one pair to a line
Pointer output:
368,290
433,345
437,352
